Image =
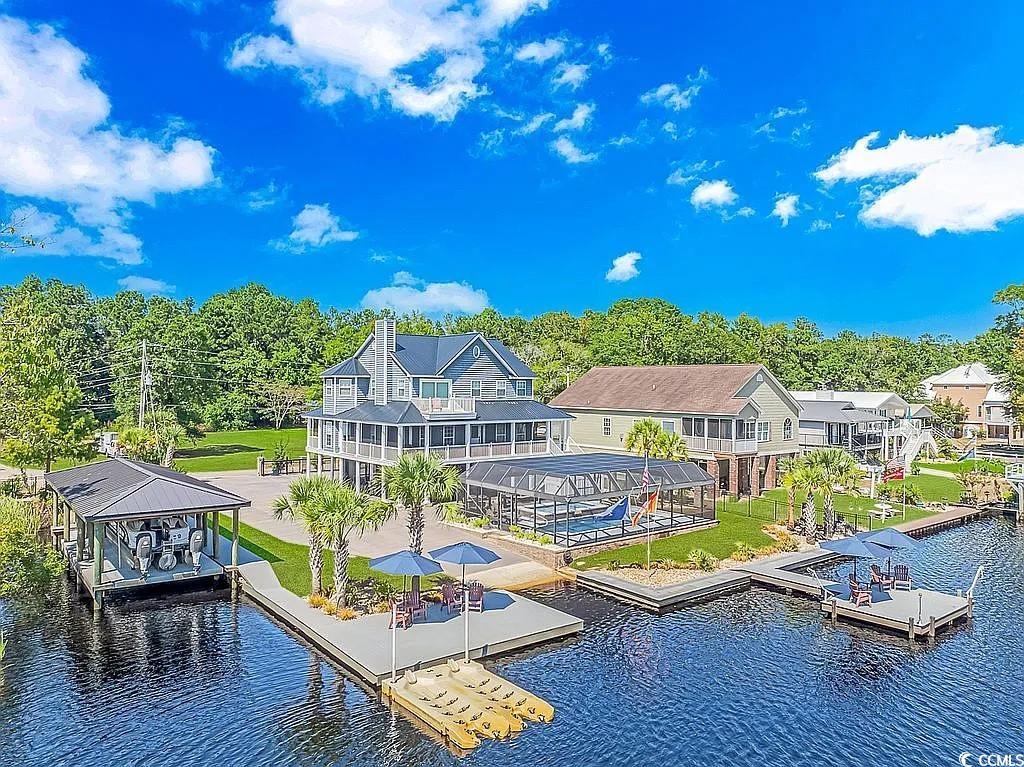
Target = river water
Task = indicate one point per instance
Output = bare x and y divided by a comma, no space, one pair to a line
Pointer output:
752,678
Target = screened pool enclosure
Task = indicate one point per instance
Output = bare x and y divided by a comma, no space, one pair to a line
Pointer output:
572,498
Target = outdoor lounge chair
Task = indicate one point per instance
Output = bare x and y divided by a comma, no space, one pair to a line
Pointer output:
901,577
860,593
416,607
880,579
450,599
476,597
400,616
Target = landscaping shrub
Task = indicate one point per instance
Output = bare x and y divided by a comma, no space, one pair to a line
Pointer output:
330,608
744,552
346,614
317,600
703,560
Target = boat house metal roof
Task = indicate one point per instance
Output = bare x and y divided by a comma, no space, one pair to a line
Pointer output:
583,476
118,489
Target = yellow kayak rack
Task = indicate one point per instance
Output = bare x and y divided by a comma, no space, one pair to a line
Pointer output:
466,703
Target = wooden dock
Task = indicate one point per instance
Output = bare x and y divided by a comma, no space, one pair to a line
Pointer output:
919,613
954,517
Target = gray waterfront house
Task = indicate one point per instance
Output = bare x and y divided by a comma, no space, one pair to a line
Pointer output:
464,398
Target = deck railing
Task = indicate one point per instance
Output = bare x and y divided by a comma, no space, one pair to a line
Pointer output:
445,407
720,444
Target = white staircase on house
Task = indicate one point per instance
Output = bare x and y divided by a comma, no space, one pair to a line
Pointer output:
915,439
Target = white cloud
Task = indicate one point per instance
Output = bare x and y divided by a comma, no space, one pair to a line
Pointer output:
964,181
146,285
408,293
534,124
819,225
424,57
687,174
57,142
676,96
314,227
570,75
539,52
624,267
786,207
780,124
265,197
716,194
604,50
578,121
572,154
58,238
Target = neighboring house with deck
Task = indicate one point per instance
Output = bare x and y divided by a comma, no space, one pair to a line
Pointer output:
464,398
737,420
975,387
866,423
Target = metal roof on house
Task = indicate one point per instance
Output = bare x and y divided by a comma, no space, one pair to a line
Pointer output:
121,489
835,411
583,476
708,389
876,400
921,410
407,413
349,367
428,355
971,374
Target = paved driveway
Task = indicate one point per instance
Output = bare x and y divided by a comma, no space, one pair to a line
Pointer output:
512,569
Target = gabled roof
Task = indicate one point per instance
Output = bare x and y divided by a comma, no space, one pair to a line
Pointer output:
863,399
429,355
971,374
835,411
121,489
921,410
710,389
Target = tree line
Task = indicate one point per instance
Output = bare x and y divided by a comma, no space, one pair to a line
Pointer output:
250,357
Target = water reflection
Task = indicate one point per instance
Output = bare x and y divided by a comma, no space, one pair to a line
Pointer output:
752,677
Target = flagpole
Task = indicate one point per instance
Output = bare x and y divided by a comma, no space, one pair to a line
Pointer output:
647,475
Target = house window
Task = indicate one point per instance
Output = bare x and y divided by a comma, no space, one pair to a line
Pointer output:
521,388
328,437
764,431
501,432
314,429
501,389
329,389
345,389
400,390
748,430
979,411
668,426
476,434
474,388
432,389
448,435
476,352
522,432
787,429
606,427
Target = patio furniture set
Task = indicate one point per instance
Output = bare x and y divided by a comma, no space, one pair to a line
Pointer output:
899,578
411,607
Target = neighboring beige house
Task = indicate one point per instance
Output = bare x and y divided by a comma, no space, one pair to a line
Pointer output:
737,420
976,387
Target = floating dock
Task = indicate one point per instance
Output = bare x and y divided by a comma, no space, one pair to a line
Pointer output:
465,703
920,613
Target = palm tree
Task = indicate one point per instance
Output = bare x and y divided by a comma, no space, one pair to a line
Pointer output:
415,480
303,502
789,467
642,438
837,468
346,511
670,447
809,479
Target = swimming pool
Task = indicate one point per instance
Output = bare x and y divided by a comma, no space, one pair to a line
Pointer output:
755,677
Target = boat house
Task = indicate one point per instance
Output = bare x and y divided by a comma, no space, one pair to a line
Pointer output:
124,525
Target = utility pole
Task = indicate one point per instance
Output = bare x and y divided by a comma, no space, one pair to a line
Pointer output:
143,374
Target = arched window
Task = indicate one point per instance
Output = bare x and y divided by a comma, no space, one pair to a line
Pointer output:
787,429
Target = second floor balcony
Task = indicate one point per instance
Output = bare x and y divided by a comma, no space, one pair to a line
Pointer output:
720,444
443,408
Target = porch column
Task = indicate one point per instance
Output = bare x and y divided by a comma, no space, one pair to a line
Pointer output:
216,534
770,471
512,448
713,470
234,551
359,477
309,460
319,464
98,530
734,477
79,538
67,522
755,476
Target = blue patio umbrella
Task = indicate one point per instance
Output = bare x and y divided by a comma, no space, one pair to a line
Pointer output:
857,548
891,539
464,553
405,563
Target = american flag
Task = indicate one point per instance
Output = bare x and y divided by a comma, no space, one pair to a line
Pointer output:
645,480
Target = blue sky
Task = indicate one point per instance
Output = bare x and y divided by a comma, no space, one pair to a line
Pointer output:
524,154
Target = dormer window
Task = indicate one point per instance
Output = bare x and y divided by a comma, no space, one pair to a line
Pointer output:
521,388
501,389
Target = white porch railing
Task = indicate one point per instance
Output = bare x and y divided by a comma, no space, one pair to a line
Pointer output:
447,407
720,444
1015,471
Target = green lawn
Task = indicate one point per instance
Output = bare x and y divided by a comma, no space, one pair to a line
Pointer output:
291,560
993,467
720,541
858,505
935,488
234,450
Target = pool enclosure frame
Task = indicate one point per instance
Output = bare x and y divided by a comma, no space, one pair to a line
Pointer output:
511,493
